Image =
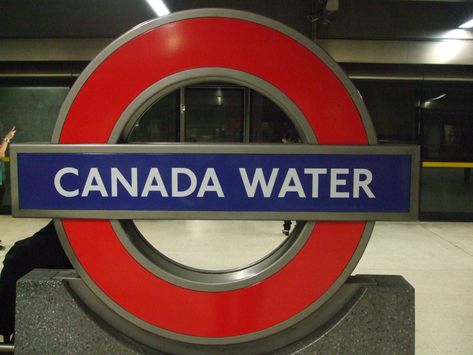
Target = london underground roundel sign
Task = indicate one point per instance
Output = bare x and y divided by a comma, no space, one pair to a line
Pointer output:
94,184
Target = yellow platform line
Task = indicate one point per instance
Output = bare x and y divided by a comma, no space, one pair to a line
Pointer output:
446,164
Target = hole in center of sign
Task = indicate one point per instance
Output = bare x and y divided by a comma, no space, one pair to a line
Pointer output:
213,245
214,112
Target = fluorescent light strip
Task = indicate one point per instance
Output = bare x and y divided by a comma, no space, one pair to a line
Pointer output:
159,7
468,24
437,98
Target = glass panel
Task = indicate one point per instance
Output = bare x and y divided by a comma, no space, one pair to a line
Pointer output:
160,123
447,123
447,191
392,107
269,124
446,137
214,114
447,151
33,110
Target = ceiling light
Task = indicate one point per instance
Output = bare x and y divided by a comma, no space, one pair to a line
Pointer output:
427,103
468,24
159,7
447,51
437,97
457,33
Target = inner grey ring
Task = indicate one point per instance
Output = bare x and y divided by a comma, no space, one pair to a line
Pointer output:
168,269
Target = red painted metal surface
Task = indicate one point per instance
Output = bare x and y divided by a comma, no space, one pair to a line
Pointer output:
254,49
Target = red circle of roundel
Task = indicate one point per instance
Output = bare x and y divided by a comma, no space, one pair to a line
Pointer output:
226,43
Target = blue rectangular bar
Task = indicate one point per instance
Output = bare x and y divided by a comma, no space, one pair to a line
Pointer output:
206,182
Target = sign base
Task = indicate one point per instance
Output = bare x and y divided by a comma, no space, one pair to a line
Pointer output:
377,319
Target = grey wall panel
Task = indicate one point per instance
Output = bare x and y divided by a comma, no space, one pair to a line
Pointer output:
453,52
51,49
439,54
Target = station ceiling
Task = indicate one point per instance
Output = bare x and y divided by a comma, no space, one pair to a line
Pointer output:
353,19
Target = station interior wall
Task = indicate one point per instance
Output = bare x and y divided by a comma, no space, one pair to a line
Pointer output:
410,62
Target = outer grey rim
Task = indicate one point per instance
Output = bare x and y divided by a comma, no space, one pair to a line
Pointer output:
295,36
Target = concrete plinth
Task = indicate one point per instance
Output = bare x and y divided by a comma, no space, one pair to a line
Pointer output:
381,320
51,320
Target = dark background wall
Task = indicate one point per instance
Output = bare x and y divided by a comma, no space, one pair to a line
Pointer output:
399,53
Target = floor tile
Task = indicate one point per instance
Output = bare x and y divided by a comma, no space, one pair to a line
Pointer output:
435,257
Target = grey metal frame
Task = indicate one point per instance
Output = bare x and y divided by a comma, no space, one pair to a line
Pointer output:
247,116
182,115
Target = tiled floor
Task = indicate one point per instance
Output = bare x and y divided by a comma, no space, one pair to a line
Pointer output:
436,258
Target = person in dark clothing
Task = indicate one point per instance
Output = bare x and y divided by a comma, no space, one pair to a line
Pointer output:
290,137
286,227
3,149
42,250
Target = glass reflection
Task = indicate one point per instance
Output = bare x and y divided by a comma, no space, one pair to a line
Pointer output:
214,114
